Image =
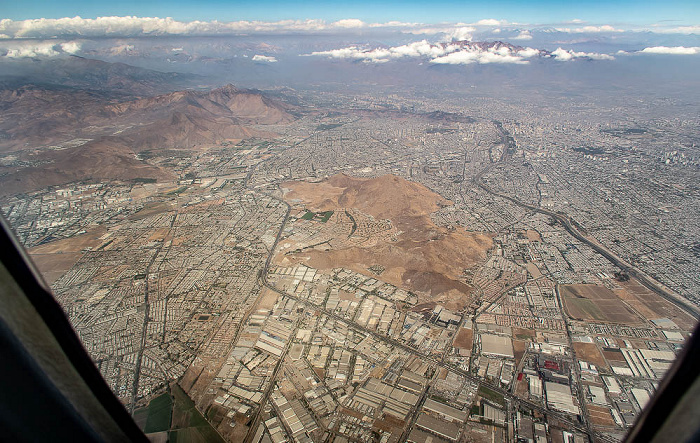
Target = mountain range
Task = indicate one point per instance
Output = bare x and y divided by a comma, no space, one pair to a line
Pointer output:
54,133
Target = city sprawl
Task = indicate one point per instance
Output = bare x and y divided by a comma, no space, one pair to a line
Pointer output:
391,269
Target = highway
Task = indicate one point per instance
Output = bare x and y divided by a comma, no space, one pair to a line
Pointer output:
567,222
562,417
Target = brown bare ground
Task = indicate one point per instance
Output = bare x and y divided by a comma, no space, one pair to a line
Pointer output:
615,356
589,352
426,259
73,244
159,234
267,299
533,235
600,415
661,307
390,424
463,339
523,334
521,388
634,302
519,347
533,270
597,303
53,266
153,208
55,258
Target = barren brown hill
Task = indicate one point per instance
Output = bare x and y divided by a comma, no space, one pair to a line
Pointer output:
228,102
35,116
182,130
427,259
107,158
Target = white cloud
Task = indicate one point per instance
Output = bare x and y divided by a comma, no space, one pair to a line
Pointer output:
392,24
463,33
481,57
31,49
528,52
589,29
349,23
489,22
445,53
381,55
694,29
675,50
427,31
524,35
264,58
565,55
70,47
129,26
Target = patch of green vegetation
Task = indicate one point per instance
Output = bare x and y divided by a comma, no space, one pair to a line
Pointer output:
197,428
140,417
490,394
322,216
179,190
327,126
144,180
159,413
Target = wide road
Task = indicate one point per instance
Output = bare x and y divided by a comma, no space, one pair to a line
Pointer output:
563,417
567,222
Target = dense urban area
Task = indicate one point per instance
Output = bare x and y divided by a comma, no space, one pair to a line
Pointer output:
388,268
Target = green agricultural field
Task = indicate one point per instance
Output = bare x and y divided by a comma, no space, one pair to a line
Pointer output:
159,414
189,426
320,216
325,216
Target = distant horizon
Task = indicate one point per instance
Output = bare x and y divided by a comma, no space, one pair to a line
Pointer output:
537,13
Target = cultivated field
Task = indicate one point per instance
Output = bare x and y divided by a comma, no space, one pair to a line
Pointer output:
659,306
597,303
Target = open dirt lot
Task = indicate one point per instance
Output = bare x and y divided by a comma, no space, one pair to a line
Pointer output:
597,303
600,415
463,339
55,258
659,307
589,352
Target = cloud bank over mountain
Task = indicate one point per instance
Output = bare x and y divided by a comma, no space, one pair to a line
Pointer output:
457,53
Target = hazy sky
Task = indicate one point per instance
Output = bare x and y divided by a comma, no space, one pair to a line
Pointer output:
532,11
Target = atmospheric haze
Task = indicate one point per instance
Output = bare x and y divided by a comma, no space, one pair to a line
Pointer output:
341,229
